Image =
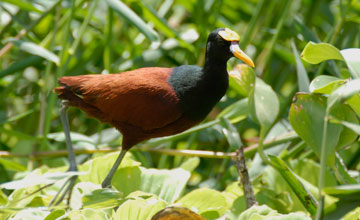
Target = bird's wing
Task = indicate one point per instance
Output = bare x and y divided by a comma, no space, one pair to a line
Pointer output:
141,97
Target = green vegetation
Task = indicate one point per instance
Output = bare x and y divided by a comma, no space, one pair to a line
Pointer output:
296,114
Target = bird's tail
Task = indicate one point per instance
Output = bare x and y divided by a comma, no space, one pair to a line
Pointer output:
71,93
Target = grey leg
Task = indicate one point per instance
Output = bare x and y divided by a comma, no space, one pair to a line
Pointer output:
107,181
69,184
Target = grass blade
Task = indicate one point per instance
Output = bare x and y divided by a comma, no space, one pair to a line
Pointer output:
303,79
131,17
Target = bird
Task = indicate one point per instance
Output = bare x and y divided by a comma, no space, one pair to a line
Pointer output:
153,102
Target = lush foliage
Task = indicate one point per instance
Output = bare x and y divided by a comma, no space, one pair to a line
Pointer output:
296,114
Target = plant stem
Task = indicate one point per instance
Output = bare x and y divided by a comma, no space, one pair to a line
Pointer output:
319,212
240,164
248,151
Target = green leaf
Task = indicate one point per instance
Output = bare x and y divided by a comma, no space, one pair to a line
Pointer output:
102,199
343,189
31,214
125,12
352,59
12,165
245,77
347,135
89,214
20,65
3,198
209,203
303,79
315,53
306,117
302,193
325,84
23,5
55,214
167,184
75,137
355,127
342,173
235,112
264,104
343,93
34,179
37,50
190,164
140,208
354,103
231,134
302,166
263,212
353,215
98,168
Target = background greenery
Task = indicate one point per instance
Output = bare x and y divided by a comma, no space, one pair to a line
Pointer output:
42,40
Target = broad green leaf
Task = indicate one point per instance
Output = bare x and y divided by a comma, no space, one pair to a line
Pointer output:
130,16
34,179
231,134
235,112
245,77
190,164
315,53
37,50
23,5
355,127
3,198
89,214
140,208
325,84
352,59
264,104
102,199
98,168
301,168
12,165
79,191
263,212
343,93
166,184
75,137
56,214
303,79
354,103
304,196
272,179
307,115
31,214
105,136
347,135
353,215
209,203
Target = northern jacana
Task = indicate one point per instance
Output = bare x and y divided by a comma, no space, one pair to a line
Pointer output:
153,102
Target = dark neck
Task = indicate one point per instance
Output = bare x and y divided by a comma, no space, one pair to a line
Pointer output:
215,63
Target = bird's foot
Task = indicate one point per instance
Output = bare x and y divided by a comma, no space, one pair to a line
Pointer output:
66,188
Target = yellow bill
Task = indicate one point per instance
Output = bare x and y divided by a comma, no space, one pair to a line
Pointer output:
232,36
235,49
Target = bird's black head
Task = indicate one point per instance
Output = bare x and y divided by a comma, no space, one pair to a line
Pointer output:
223,44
